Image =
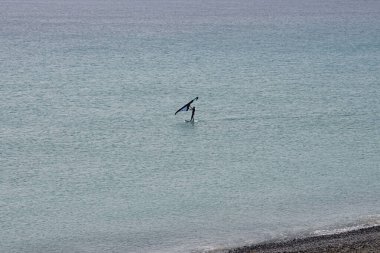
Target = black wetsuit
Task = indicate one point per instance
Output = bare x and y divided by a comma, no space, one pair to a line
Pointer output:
192,114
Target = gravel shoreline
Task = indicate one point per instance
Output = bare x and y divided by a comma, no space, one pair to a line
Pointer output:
365,240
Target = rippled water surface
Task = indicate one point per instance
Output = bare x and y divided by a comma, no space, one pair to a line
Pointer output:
287,138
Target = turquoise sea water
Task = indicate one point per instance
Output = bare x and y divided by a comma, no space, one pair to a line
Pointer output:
92,158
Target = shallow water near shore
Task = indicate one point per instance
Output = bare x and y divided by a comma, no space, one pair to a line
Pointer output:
286,138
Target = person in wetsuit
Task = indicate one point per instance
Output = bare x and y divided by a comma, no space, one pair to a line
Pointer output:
192,113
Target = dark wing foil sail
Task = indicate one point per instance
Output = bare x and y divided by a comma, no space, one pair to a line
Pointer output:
183,109
186,107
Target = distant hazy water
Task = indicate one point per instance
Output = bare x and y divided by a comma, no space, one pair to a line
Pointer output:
92,158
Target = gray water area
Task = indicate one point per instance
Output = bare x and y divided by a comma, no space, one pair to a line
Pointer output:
287,137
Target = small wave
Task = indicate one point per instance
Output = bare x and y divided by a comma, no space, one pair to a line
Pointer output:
340,230
366,222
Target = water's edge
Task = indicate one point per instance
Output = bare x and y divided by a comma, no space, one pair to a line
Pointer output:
354,236
359,239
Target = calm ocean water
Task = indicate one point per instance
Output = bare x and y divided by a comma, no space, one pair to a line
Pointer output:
92,158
